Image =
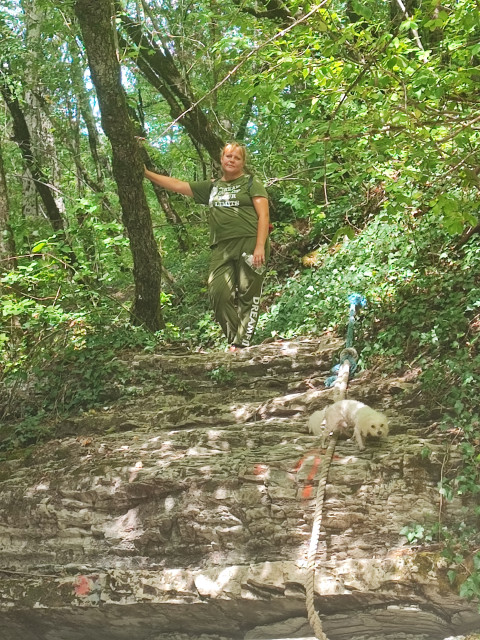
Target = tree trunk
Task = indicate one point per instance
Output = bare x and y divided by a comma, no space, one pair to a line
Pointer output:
163,199
272,10
7,243
36,106
170,212
22,137
160,70
85,108
95,18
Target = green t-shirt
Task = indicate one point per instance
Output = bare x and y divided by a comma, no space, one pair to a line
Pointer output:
232,214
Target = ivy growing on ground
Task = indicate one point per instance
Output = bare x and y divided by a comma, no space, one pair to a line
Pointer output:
423,311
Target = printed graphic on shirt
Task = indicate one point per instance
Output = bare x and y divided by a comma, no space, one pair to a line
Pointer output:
224,196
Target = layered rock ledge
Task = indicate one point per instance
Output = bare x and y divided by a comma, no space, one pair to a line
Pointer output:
186,509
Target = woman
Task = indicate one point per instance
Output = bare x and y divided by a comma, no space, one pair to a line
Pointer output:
239,224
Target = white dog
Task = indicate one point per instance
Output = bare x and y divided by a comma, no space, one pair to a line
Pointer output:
347,415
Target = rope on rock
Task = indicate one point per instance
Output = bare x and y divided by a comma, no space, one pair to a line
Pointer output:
313,617
339,382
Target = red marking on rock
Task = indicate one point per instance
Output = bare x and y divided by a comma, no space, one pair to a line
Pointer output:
314,453
307,492
258,469
82,586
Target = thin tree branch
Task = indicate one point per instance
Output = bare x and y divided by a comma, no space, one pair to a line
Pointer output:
467,235
414,31
459,164
455,133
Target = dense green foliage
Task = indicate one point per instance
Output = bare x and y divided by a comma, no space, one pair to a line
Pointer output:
363,122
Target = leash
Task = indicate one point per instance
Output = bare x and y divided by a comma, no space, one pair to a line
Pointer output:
343,371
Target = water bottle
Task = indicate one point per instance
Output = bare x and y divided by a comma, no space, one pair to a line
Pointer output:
249,260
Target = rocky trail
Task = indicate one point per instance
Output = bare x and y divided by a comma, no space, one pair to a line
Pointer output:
183,509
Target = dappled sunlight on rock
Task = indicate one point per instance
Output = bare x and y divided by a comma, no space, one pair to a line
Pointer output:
189,510
125,529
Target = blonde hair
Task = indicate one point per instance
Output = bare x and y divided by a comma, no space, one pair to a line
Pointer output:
235,145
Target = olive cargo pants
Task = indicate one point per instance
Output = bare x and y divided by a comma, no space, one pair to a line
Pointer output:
230,276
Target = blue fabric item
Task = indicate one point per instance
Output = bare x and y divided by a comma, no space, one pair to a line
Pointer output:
355,300
329,382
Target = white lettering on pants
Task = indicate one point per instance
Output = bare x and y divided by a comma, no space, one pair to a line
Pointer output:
251,322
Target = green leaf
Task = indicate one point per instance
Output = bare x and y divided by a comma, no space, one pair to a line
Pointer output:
39,246
361,9
452,576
